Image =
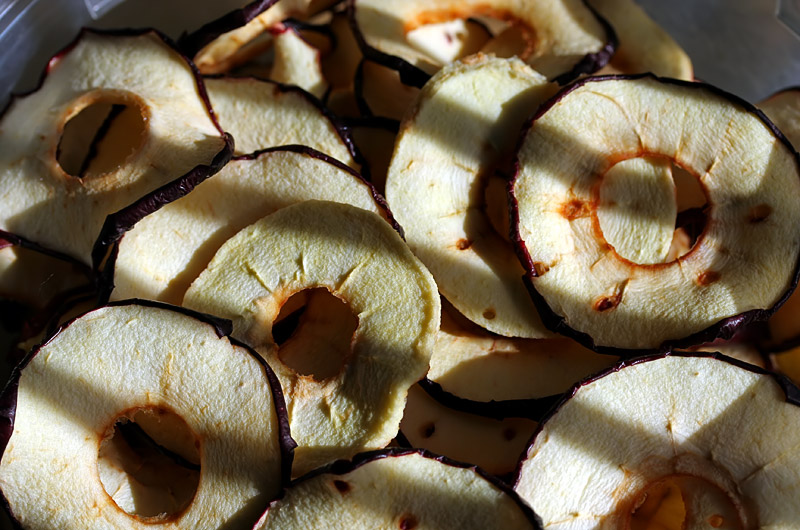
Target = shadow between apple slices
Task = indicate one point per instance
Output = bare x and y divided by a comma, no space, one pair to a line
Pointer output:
140,109
354,257
671,441
399,488
744,263
139,415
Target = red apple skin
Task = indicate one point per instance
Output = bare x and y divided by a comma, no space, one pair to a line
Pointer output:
724,329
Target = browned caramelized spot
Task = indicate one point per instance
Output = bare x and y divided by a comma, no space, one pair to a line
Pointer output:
539,268
575,209
716,521
708,277
341,486
408,522
607,303
759,213
509,433
489,314
463,244
427,430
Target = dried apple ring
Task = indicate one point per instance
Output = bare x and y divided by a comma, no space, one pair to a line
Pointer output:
140,107
151,416
689,451
562,38
742,266
346,394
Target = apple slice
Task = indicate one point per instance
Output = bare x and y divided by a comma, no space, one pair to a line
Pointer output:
783,108
458,132
41,200
263,114
234,38
479,366
568,37
399,488
160,254
643,45
749,174
210,404
296,62
357,402
688,452
494,444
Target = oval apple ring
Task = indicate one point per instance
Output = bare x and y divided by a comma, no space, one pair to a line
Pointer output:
152,123
355,402
133,397
741,267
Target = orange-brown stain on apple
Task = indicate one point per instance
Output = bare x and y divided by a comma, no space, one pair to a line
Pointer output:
707,278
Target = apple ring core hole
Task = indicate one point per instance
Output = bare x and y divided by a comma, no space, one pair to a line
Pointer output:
683,501
149,463
650,210
102,132
314,333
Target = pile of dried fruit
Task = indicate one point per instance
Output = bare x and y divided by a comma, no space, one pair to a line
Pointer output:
220,322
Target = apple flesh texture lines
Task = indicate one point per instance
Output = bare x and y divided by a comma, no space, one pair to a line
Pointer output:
249,110
749,174
361,260
119,359
744,442
65,213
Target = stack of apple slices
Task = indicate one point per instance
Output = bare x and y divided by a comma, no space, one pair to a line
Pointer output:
539,226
